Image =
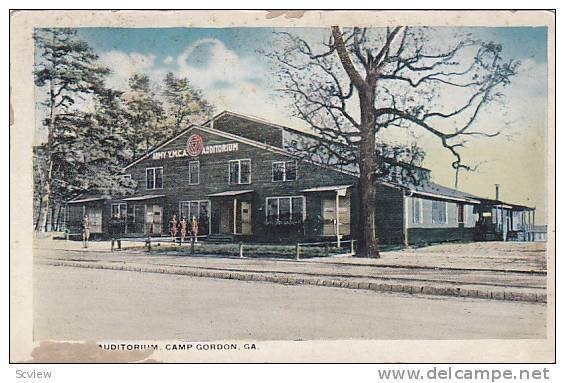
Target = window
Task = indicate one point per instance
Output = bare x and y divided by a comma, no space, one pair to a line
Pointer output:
239,172
439,212
417,216
284,171
194,172
460,213
278,171
198,209
119,210
154,177
285,209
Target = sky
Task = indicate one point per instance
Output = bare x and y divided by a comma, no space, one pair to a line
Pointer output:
228,66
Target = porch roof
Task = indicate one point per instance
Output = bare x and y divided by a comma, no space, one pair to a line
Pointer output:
228,193
87,200
326,188
144,197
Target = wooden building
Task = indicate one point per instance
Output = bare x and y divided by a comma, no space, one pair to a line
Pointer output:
238,177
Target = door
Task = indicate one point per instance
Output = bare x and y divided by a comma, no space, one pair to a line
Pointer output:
245,218
226,217
95,219
153,219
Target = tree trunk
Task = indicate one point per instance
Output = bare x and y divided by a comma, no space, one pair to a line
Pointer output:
367,244
46,192
59,222
38,215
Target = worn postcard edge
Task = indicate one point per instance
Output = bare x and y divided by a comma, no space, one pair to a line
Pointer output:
22,344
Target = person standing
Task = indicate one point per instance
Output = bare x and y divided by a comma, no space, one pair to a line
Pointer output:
173,227
183,228
194,228
85,231
115,227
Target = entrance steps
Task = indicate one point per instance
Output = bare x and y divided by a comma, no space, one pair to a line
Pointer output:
221,238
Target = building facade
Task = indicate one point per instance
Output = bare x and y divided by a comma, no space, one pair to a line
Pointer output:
238,177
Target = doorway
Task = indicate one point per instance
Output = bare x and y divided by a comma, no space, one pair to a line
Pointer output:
231,216
243,217
153,219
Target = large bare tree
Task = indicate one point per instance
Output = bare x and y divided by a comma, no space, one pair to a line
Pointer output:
360,82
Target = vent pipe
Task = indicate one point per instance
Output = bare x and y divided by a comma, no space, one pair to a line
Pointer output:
497,191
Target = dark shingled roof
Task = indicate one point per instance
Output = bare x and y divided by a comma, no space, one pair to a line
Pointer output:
429,188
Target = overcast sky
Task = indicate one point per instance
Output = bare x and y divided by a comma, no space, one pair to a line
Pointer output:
226,64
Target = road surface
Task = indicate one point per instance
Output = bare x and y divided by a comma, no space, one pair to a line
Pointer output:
86,304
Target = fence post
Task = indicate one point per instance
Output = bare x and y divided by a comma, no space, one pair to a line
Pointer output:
240,249
192,245
148,244
297,251
352,247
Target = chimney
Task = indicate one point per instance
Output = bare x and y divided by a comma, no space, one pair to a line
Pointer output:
497,192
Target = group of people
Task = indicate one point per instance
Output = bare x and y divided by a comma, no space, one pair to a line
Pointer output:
179,229
182,228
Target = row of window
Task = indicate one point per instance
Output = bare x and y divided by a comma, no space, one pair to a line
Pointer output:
279,209
439,212
239,173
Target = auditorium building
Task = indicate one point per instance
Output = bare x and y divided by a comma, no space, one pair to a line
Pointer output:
239,177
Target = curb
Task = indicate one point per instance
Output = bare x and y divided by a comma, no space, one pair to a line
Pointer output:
307,280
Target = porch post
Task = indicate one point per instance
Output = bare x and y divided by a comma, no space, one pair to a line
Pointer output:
234,216
405,218
337,219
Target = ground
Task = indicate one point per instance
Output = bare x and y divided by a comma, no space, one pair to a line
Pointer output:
85,304
76,302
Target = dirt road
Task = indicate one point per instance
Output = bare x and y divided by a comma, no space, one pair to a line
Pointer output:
79,304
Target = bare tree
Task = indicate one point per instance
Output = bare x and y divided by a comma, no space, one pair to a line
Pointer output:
361,81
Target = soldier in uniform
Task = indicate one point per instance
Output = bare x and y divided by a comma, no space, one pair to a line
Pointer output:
115,228
85,231
194,228
183,228
173,227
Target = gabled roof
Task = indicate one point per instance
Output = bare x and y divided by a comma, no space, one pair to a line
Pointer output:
315,136
237,138
261,121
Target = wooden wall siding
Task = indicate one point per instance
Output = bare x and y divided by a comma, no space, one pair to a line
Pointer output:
389,215
420,235
250,129
214,177
470,217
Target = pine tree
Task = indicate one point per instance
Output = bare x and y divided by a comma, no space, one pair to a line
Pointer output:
185,104
76,155
144,114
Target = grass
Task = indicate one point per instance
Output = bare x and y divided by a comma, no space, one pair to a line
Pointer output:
250,250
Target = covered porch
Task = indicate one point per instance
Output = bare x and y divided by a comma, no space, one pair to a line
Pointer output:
144,215
231,213
335,208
